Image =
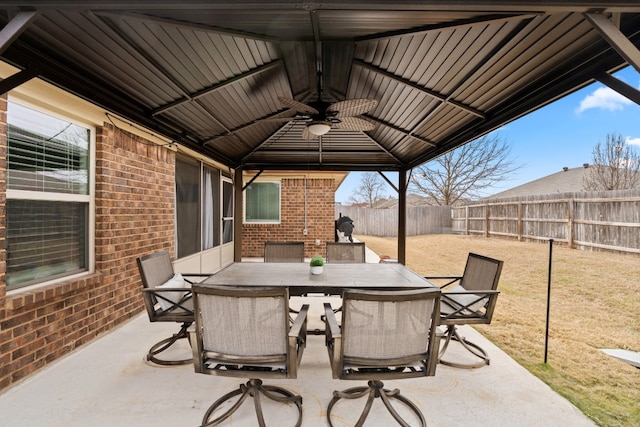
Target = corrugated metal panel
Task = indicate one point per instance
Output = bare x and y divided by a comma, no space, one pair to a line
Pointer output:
207,75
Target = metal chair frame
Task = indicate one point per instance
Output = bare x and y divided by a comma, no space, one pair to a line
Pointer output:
346,252
375,369
253,366
284,252
480,283
156,269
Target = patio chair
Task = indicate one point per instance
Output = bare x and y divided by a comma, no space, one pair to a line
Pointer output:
167,298
284,252
467,300
246,332
345,252
384,335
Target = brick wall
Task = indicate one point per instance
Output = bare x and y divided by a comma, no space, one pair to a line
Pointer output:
134,216
320,218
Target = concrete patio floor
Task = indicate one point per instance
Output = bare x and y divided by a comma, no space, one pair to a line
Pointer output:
108,383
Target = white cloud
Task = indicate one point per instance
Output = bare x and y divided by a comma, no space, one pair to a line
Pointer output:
632,141
604,98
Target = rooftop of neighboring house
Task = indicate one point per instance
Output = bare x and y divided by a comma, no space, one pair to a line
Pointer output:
568,180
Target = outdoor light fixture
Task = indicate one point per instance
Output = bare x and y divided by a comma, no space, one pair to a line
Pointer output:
319,127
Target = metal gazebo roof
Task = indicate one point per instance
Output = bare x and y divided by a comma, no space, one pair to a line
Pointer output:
207,74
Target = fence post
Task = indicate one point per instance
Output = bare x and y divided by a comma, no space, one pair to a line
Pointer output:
570,231
486,220
466,220
519,224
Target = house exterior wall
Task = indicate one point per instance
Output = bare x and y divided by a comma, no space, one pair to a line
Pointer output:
320,221
134,216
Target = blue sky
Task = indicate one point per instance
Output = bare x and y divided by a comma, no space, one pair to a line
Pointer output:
558,135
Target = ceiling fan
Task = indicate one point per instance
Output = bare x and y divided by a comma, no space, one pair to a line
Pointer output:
320,116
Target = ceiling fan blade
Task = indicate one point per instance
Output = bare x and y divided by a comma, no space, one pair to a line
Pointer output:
352,107
307,135
355,123
298,106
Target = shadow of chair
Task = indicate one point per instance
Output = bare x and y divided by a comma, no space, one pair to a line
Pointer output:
284,252
467,300
383,335
167,298
246,332
344,253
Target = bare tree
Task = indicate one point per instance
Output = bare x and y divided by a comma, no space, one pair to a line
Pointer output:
616,166
370,189
464,172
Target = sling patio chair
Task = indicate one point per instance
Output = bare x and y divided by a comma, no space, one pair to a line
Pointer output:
167,298
383,335
345,252
246,332
469,299
284,252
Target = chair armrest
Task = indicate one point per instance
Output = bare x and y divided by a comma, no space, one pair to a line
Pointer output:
299,325
469,303
333,339
191,282
297,341
163,290
451,280
161,294
331,322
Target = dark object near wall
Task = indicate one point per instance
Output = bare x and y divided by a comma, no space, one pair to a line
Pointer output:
344,224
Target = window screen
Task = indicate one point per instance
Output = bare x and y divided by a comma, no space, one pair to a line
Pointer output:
48,198
262,202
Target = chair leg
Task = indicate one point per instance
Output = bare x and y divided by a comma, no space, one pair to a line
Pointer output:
373,390
475,349
161,346
253,388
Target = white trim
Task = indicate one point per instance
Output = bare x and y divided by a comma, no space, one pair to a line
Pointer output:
244,204
89,198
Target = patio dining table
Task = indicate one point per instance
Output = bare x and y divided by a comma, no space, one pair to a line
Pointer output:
332,281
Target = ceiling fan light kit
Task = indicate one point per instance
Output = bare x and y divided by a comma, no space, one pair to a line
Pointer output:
319,127
322,116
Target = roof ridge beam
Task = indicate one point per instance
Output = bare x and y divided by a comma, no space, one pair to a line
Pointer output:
398,129
188,97
437,95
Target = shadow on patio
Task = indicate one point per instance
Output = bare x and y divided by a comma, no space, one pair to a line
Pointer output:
108,383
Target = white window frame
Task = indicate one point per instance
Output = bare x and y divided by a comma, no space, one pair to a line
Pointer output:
89,198
244,204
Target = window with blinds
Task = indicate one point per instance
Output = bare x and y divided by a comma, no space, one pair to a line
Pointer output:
262,202
48,197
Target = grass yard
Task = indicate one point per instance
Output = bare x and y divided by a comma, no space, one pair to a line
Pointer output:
595,303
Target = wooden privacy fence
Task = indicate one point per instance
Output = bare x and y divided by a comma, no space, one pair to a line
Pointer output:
596,220
384,222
